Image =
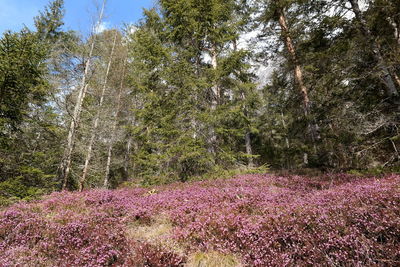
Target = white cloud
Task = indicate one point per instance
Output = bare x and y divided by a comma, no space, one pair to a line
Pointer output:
101,27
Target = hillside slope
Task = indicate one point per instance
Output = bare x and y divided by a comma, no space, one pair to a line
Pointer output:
251,220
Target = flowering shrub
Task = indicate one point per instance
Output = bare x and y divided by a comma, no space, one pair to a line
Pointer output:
152,256
95,240
264,220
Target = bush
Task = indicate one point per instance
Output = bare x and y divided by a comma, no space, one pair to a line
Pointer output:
31,184
261,220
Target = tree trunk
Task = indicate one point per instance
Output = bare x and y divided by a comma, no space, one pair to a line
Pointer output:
65,165
396,28
247,136
287,143
397,79
298,74
113,129
284,127
396,33
127,157
214,100
96,120
384,74
249,149
194,121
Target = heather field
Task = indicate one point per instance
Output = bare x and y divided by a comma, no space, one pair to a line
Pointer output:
250,220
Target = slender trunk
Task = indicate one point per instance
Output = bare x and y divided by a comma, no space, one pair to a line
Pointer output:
127,156
108,164
384,73
395,149
129,168
215,88
298,73
249,150
397,33
286,140
397,79
298,76
305,159
284,127
194,122
97,119
65,165
396,28
113,129
247,137
214,100
66,162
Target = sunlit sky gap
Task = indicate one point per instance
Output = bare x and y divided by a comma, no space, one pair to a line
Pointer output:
14,14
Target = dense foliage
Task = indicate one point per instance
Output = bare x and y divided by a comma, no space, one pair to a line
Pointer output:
256,220
199,88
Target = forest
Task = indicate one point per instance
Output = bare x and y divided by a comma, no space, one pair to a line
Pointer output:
209,133
200,89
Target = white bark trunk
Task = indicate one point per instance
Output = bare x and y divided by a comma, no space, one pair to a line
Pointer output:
249,150
214,100
65,165
113,129
396,29
97,119
284,127
397,79
127,156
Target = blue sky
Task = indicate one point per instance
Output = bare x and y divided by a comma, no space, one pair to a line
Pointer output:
16,13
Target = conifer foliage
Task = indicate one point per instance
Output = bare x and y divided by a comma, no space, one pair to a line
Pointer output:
198,88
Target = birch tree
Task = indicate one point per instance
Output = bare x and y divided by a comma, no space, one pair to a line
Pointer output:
114,129
65,165
97,116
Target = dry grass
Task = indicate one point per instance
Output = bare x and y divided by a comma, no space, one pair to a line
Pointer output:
157,233
213,259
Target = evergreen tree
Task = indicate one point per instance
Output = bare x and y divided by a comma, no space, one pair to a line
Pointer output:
22,67
49,22
29,128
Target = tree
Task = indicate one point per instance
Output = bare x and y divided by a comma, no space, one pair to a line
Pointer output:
65,164
29,128
49,22
22,68
113,133
384,73
97,116
276,13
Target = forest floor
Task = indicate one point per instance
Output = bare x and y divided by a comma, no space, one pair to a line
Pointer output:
249,220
